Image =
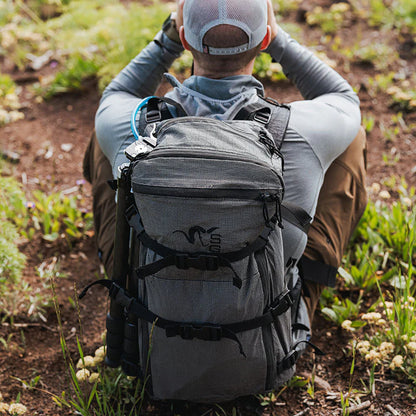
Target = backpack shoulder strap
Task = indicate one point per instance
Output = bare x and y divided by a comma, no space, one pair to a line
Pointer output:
157,110
269,113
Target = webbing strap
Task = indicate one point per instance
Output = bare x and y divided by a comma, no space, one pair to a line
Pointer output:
195,260
190,330
296,216
316,271
157,110
271,114
290,359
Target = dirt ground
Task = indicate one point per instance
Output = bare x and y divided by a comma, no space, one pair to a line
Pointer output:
35,349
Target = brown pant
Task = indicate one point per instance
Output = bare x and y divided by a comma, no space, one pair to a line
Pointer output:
97,171
341,203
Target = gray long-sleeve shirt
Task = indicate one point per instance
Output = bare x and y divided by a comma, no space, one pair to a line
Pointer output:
320,128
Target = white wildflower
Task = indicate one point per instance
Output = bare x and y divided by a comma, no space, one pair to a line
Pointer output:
396,362
347,325
386,348
371,317
384,195
393,90
82,374
381,322
7,39
88,362
100,352
375,188
94,377
413,338
402,96
363,347
411,347
405,338
17,409
4,408
340,7
373,356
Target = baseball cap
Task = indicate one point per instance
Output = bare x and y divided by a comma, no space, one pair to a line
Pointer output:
199,16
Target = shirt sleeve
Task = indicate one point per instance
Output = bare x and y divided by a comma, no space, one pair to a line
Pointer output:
139,79
329,118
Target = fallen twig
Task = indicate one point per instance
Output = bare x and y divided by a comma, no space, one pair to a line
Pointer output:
392,410
27,325
319,382
303,412
359,407
393,383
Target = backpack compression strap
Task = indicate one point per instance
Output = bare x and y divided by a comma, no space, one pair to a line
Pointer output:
201,261
205,331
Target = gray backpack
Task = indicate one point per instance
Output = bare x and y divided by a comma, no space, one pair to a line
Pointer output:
205,305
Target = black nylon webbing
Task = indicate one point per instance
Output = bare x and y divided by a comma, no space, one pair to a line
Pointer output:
278,120
296,216
317,271
134,221
279,306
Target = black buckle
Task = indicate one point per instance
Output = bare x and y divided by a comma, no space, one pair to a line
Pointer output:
152,116
189,332
263,116
130,211
282,304
198,261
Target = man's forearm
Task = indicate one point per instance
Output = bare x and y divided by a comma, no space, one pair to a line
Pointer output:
311,76
143,74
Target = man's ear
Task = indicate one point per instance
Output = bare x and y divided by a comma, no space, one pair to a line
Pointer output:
182,38
267,39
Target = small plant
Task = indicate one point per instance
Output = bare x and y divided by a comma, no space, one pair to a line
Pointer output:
271,399
265,68
76,71
329,20
9,101
403,97
341,311
368,122
379,55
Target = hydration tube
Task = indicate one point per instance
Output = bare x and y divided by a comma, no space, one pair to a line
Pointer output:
139,106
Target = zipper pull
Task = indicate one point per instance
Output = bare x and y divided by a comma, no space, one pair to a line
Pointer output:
269,143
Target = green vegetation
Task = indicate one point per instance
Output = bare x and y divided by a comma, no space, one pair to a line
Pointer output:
51,217
329,20
380,263
9,101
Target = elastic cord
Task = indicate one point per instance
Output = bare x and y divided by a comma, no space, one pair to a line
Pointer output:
139,106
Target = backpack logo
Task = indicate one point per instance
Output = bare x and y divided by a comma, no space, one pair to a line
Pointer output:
206,238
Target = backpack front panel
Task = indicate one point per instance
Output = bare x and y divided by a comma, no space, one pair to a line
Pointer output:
207,188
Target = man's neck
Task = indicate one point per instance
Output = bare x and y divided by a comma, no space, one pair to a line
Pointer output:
204,72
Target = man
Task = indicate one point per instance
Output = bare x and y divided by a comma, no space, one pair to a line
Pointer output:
321,127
